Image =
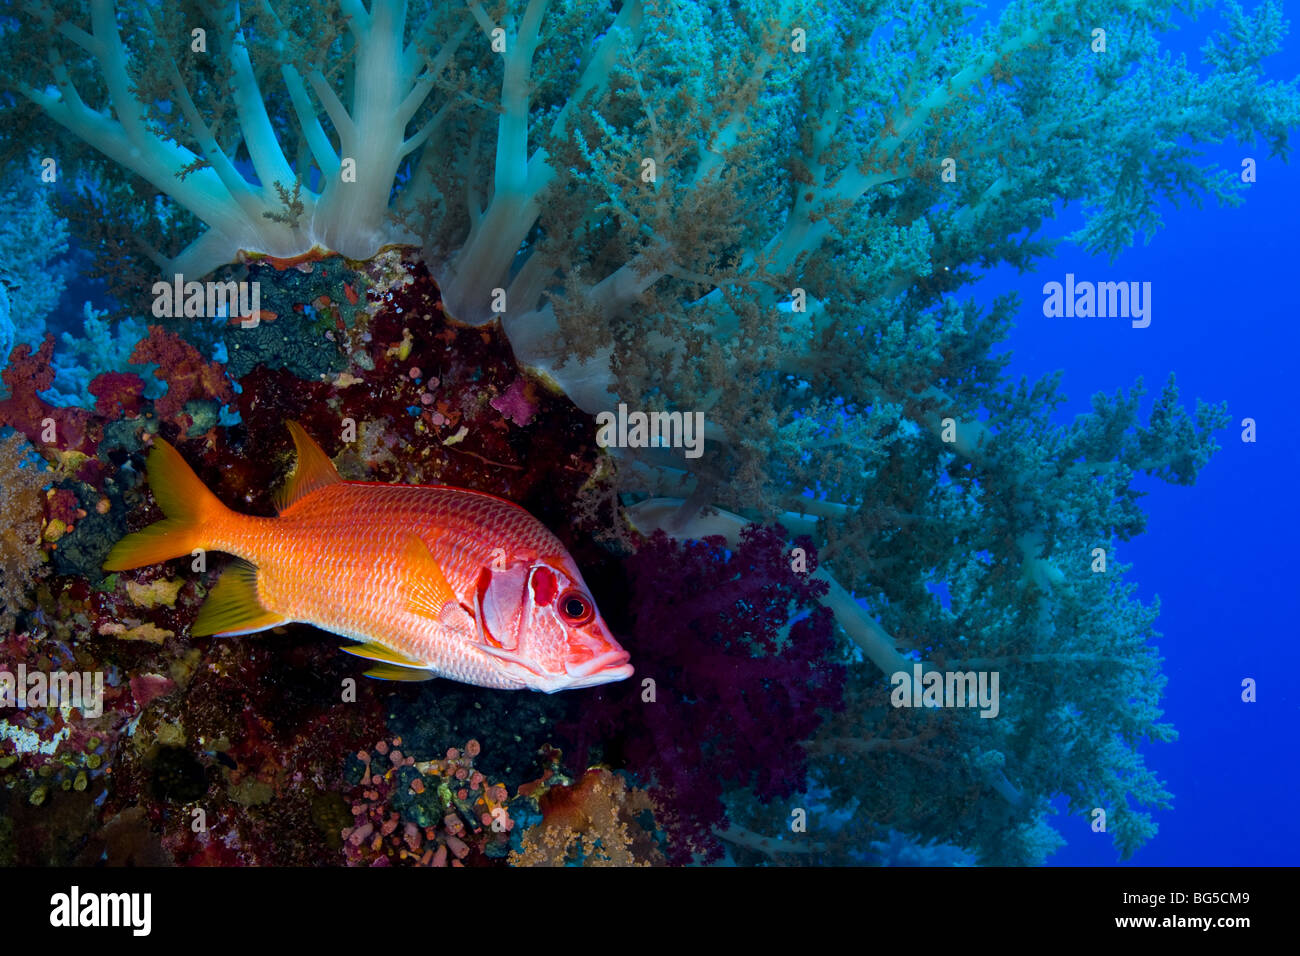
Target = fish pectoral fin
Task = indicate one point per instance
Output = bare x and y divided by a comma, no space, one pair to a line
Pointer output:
377,652
395,672
233,607
429,591
458,618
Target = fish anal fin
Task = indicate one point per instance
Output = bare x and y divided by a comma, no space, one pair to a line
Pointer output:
233,607
377,652
313,471
395,672
429,590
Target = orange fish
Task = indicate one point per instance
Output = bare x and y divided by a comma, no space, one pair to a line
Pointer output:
434,581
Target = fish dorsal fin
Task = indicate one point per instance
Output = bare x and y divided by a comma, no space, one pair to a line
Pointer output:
428,590
233,607
313,471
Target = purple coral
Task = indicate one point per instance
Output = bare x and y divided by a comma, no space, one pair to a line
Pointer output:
743,664
517,404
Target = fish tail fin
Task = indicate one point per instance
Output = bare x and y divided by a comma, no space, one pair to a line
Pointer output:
189,506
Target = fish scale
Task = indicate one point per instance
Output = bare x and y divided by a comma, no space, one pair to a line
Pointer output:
434,580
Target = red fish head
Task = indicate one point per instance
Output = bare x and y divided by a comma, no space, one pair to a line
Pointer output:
540,623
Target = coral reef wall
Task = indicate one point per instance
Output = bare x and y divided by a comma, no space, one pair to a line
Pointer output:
478,233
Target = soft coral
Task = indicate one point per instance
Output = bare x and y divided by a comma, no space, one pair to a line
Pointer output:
27,374
735,692
189,376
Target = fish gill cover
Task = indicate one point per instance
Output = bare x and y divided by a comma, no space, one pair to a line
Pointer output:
480,245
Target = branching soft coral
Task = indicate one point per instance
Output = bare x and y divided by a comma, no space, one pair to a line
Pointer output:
1011,534
637,189
270,81
742,668
189,376
22,480
32,237
100,346
598,821
27,375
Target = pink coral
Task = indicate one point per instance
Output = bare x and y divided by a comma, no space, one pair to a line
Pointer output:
27,374
517,403
188,375
117,394
146,688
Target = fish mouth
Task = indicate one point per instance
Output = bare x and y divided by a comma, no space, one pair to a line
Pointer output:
610,666
602,669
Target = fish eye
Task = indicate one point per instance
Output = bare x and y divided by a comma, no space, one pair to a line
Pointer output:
575,607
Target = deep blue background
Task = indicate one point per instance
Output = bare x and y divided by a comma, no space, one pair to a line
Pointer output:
1222,555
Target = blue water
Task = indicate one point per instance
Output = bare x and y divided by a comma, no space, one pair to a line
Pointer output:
1221,555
